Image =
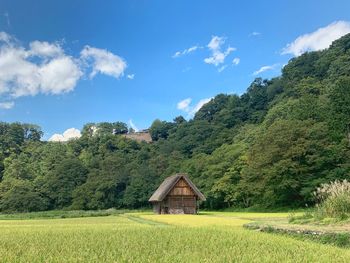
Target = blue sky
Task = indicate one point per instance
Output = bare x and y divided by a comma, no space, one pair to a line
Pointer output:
112,61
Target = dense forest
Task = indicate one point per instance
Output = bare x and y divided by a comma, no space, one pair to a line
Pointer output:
267,148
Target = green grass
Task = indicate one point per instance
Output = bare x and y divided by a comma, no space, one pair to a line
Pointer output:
60,214
143,237
336,239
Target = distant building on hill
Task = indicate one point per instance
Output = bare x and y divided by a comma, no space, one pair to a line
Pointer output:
176,195
140,136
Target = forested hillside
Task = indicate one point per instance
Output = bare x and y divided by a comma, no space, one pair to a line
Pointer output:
268,148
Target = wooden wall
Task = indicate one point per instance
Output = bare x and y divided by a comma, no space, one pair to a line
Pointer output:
181,199
182,204
181,188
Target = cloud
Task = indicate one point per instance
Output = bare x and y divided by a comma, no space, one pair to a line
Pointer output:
69,134
104,62
133,126
236,61
216,42
7,105
318,40
59,75
29,72
131,76
199,105
222,68
265,68
45,68
254,34
186,51
4,37
185,106
45,49
218,56
177,54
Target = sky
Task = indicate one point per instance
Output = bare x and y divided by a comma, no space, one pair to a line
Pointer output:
67,63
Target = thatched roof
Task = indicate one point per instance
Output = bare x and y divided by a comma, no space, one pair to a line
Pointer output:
169,183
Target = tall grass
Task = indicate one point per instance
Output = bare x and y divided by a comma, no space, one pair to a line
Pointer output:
334,199
333,205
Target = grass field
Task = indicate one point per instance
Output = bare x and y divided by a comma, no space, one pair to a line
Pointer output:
143,237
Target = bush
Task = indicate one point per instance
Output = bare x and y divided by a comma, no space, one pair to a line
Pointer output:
334,199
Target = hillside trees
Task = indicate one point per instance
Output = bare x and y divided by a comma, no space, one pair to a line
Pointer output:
340,107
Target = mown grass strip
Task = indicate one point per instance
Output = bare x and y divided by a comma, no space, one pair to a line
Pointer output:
339,239
141,220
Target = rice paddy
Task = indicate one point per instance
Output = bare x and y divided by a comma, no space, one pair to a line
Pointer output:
143,237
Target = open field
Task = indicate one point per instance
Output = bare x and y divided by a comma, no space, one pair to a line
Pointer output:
143,237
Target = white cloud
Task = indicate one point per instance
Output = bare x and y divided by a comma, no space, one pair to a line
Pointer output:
236,61
216,42
177,54
59,75
69,134
186,51
199,105
5,37
131,76
254,34
265,68
185,105
191,49
7,105
45,68
45,49
20,76
222,68
133,126
218,56
320,39
104,62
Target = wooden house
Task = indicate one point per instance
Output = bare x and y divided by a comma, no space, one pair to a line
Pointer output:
176,195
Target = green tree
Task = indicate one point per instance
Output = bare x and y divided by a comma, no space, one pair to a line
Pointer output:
20,196
62,181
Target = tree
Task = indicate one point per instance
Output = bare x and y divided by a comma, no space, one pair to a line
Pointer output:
104,187
160,129
62,181
340,107
288,160
179,120
20,196
141,185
